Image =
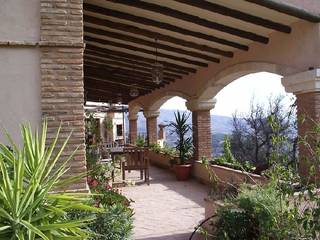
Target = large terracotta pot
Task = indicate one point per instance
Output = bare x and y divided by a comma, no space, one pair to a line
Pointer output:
183,172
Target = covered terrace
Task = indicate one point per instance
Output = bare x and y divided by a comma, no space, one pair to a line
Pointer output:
200,46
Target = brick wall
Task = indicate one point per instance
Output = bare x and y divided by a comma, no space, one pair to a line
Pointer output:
201,123
133,130
62,94
308,109
152,130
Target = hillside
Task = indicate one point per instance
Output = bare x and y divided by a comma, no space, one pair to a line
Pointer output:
220,126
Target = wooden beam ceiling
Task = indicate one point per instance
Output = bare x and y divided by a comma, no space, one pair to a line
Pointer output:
140,58
106,62
123,41
194,19
91,58
162,25
143,50
216,8
158,36
129,74
133,62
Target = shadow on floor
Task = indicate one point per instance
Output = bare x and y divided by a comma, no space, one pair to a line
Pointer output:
167,178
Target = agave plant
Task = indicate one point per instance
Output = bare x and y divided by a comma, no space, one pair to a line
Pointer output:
30,208
180,128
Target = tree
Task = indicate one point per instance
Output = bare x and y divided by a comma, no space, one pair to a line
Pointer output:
252,134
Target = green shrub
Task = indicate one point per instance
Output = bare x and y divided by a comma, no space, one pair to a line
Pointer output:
156,148
29,207
140,141
228,160
114,222
256,213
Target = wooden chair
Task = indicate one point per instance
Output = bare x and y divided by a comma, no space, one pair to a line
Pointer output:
136,159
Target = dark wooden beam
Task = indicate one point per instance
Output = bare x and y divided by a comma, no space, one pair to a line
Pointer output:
288,9
128,73
193,19
125,81
94,97
139,58
162,25
123,73
98,96
155,35
131,61
117,87
143,50
118,78
92,59
109,92
216,8
109,89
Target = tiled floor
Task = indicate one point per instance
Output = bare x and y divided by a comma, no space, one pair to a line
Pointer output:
167,209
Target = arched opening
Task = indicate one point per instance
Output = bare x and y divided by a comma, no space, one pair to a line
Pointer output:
234,72
167,114
242,113
141,128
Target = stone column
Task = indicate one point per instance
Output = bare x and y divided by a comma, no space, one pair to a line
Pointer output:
306,87
151,120
62,89
133,128
201,126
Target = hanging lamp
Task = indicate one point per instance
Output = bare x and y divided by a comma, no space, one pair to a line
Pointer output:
157,69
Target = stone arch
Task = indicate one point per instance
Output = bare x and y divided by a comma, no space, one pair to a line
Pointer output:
234,72
157,103
134,108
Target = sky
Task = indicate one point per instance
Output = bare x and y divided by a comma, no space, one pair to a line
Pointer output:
237,96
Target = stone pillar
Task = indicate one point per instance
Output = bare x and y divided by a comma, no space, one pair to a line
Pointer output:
62,89
306,87
201,126
133,128
151,120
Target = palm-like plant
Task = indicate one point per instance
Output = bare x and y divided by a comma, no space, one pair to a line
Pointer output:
29,207
180,128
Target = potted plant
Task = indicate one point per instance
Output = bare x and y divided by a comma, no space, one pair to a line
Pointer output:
184,145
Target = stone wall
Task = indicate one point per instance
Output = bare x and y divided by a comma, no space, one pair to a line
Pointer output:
62,92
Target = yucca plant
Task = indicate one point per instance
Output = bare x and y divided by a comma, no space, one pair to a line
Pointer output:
181,129
30,208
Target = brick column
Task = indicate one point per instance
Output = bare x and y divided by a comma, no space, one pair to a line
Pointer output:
62,89
151,121
306,87
133,129
201,127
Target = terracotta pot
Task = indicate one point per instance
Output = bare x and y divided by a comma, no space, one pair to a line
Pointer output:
182,172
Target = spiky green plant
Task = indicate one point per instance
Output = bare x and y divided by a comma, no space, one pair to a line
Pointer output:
180,128
29,207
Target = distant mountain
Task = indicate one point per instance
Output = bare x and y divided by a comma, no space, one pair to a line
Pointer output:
220,126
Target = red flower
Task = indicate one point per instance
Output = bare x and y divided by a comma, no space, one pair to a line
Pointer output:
108,187
94,183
